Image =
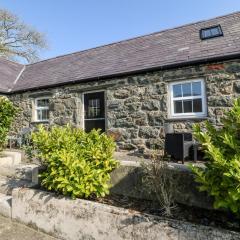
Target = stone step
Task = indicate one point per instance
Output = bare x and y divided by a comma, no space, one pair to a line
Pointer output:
23,171
10,158
6,205
8,184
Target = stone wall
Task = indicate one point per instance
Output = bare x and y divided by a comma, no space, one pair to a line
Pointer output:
128,180
137,105
81,219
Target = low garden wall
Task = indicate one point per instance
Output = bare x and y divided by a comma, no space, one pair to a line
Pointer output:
127,180
81,219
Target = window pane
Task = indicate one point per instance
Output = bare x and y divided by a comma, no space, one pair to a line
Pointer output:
196,88
186,88
206,33
42,114
197,105
94,109
178,107
177,90
187,106
215,31
42,102
45,114
39,115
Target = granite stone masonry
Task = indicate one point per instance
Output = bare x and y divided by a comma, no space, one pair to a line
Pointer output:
137,106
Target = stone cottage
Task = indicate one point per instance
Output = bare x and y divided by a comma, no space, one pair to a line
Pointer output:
133,88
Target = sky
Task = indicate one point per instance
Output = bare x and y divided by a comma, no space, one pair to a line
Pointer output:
74,25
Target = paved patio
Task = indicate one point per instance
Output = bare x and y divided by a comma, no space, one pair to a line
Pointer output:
15,231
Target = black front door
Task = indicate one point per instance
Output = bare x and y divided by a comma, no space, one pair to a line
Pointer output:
94,111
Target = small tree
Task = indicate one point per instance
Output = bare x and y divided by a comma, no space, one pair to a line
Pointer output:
18,40
7,114
221,177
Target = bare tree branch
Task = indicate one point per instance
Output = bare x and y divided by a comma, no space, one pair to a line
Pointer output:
19,41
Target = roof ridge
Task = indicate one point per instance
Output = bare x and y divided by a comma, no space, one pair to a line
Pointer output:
137,37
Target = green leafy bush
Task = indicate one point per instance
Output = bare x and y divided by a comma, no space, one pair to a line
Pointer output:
78,163
221,178
7,114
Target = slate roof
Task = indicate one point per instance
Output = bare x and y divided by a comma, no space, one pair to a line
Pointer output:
9,71
172,47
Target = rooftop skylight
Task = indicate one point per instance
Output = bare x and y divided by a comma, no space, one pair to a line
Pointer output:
211,32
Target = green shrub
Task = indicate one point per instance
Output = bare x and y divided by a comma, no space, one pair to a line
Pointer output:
7,114
221,178
78,163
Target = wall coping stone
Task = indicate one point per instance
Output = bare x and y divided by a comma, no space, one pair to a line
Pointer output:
82,219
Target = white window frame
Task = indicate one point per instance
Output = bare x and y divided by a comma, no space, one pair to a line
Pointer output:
36,108
202,96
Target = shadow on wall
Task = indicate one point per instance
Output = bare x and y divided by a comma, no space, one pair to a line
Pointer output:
127,181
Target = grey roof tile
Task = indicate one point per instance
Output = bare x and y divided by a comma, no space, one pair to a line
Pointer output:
168,47
9,72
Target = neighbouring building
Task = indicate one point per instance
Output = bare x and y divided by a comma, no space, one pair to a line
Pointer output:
132,89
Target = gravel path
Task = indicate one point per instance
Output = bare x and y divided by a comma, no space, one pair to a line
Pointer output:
15,231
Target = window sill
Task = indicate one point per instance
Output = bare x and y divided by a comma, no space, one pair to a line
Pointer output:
43,121
185,118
